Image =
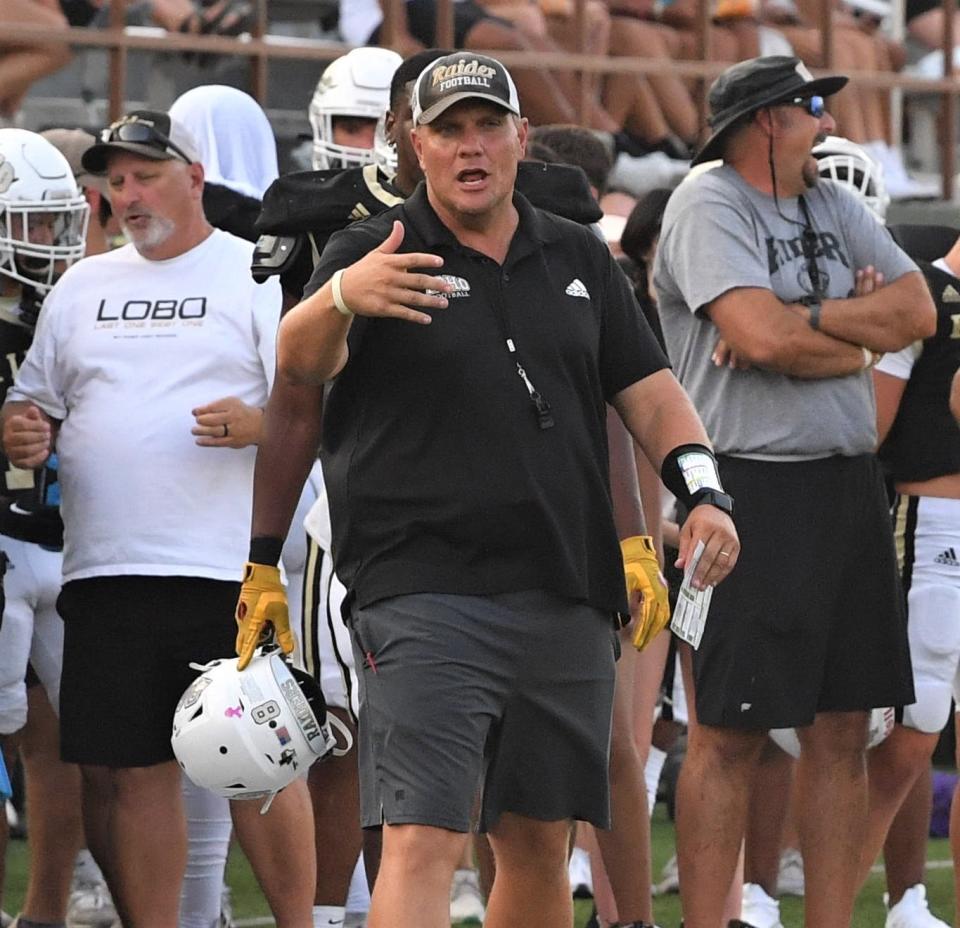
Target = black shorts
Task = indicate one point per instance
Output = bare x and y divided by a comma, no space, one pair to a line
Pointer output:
422,21
812,618
128,645
512,692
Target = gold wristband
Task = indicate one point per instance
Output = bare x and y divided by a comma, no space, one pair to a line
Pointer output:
338,300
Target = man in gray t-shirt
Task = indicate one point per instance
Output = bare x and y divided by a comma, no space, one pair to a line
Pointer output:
777,295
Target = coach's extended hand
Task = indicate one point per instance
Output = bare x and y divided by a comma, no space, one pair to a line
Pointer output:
642,570
263,602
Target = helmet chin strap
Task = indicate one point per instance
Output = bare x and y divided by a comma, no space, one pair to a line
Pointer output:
344,733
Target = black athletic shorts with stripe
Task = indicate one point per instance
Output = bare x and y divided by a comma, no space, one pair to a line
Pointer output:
812,617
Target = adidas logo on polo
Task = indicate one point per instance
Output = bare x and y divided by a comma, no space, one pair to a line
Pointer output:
576,288
948,557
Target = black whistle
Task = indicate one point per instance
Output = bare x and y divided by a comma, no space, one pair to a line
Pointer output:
544,413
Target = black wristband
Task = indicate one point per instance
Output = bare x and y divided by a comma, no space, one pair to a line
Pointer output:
690,473
265,549
813,306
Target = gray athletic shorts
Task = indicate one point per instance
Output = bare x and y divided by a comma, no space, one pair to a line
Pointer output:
512,693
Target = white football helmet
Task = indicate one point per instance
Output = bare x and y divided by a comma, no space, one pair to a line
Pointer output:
43,215
847,163
881,724
356,84
247,735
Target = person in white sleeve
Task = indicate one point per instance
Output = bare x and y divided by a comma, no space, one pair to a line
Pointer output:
148,374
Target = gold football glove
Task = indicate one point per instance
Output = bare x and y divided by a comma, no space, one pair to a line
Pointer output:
642,570
263,603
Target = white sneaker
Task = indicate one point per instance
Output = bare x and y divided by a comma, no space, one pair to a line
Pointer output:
466,903
669,878
90,906
790,877
226,909
900,185
638,175
757,909
912,911
581,876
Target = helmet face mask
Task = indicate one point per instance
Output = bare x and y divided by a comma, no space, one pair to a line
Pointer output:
247,735
843,161
43,215
355,85
384,150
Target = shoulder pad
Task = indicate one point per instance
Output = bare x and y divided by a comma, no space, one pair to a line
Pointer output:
924,242
274,254
321,202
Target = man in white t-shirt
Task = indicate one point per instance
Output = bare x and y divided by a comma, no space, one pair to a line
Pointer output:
148,372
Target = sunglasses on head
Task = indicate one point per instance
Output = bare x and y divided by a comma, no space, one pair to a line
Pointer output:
133,130
813,105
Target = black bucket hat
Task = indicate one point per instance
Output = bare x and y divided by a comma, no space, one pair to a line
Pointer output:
750,86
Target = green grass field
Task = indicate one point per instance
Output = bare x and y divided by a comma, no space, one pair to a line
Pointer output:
248,903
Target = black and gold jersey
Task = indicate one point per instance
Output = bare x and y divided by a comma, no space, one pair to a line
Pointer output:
29,500
302,210
924,441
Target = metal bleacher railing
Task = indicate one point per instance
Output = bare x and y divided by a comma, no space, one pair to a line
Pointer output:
260,46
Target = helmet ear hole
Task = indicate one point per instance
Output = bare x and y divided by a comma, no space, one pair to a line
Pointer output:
311,690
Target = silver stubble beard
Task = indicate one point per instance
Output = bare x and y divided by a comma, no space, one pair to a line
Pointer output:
158,230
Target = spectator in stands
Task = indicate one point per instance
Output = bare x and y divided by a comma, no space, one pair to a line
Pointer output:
202,17
656,111
862,114
925,24
549,97
24,63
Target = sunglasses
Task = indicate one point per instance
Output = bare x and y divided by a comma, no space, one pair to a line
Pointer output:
813,105
132,130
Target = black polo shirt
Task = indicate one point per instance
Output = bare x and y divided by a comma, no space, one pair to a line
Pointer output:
439,474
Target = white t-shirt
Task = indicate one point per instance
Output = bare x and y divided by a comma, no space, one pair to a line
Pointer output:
125,348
